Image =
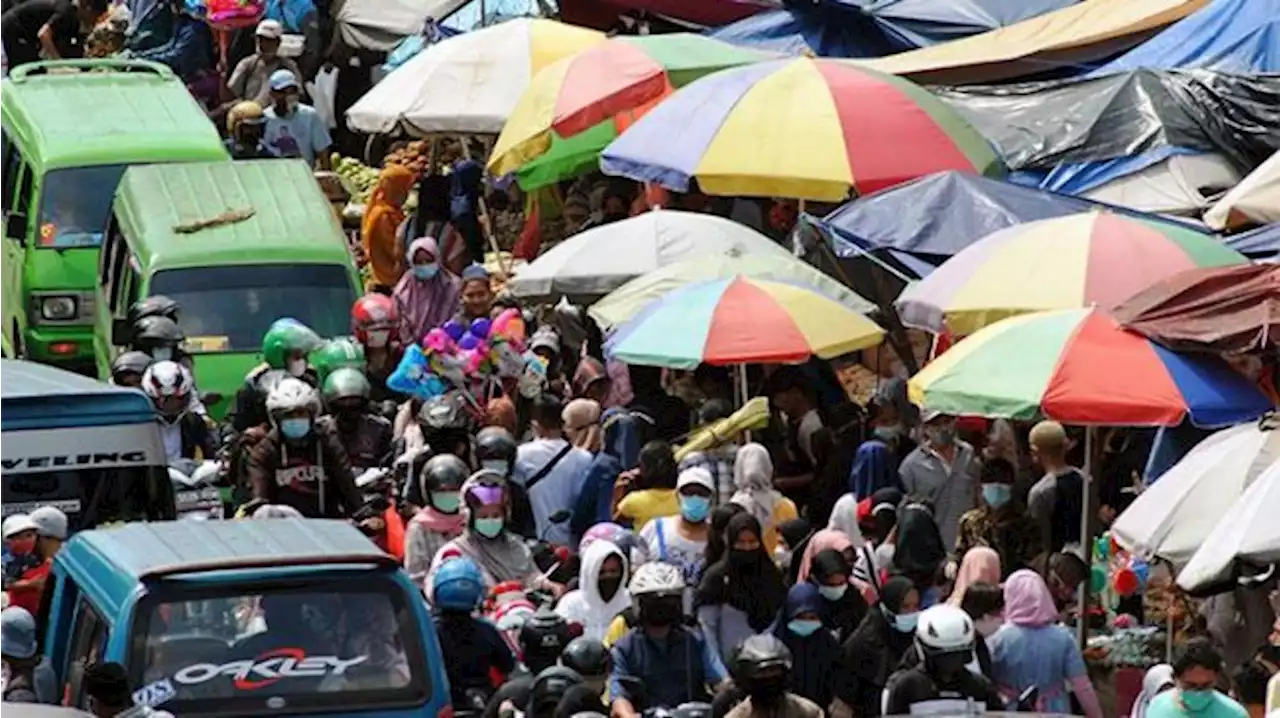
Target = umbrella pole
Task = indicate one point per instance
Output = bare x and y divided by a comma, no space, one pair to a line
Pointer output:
743,390
485,225
1086,536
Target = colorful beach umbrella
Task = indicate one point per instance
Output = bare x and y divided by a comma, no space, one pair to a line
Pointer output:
621,76
1073,261
803,128
468,83
740,320
1078,366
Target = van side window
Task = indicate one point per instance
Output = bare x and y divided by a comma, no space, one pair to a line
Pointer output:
25,188
118,278
109,248
89,638
12,170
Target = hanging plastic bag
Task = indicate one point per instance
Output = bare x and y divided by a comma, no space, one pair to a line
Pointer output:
324,94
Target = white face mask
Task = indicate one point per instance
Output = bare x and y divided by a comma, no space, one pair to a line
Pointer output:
988,625
379,338
296,367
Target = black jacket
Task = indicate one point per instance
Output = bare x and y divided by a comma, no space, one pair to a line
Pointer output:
298,475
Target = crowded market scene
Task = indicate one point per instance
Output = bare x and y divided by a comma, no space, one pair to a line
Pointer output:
641,358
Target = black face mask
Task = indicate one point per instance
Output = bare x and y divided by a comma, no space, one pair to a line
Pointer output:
608,587
744,559
949,666
768,690
661,612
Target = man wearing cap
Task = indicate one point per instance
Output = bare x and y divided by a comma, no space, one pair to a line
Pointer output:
943,471
19,547
18,651
249,78
51,530
294,129
681,540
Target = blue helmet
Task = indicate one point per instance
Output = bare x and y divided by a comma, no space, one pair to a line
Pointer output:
458,585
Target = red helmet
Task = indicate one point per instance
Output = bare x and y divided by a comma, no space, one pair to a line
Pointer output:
371,316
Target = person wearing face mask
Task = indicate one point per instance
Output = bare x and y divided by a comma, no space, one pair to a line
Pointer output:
159,337
380,228
441,520
874,651
1001,522
245,124
427,295
843,605
741,595
681,540
366,436
814,650
375,323
589,659
249,78
1196,670
675,664
285,347
601,594
294,129
762,668
300,462
793,541
941,681
20,553
496,450
943,471
1032,650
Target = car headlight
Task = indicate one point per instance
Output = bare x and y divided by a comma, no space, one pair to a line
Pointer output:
58,308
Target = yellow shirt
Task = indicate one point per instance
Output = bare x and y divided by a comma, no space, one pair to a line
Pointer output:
616,631
641,507
783,511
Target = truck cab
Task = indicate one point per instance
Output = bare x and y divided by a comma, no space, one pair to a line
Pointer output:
283,616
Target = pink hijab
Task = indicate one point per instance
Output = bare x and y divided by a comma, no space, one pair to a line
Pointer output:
821,541
425,304
1027,601
979,564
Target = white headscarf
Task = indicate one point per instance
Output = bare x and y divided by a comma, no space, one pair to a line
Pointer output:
585,606
1157,678
753,479
844,518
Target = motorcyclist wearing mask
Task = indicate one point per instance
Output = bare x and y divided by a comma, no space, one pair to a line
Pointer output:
366,436
443,426
473,649
128,368
301,463
760,670
185,433
675,664
942,681
441,520
496,450
590,659
375,323
160,338
245,126
549,688
601,594
285,347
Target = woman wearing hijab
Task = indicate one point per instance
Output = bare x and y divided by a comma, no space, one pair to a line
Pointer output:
814,652
826,539
843,606
874,651
379,231
717,545
427,295
753,479
581,419
741,594
874,467
844,518
878,519
918,551
1157,680
795,535
602,590
1033,650
979,564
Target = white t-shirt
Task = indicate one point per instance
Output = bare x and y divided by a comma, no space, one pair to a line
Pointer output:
810,423
662,536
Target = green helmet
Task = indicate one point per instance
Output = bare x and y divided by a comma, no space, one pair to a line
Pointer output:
344,383
284,337
336,354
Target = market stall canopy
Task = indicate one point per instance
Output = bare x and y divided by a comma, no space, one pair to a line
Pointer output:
922,23
740,320
1174,516
1262,243
1071,36
1078,366
1075,261
381,24
468,83
1223,310
603,14
590,264
1256,200
1184,183
1240,36
1247,533
628,300
805,128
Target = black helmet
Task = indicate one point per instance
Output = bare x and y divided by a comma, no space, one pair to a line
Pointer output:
156,306
758,653
443,472
129,363
587,656
495,444
543,638
152,332
447,411
548,688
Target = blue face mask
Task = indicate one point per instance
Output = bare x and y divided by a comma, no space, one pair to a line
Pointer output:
887,433
425,271
833,593
489,528
906,622
1196,701
295,428
446,502
695,508
997,495
804,627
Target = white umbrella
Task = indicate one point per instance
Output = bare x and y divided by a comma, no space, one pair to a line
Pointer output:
1256,200
1173,517
593,263
468,83
1249,531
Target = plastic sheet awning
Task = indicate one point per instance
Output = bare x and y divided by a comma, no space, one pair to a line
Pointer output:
1082,33
1256,200
826,30
922,23
1241,36
381,24
1261,243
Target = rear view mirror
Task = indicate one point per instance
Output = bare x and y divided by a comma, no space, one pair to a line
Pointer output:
121,332
15,227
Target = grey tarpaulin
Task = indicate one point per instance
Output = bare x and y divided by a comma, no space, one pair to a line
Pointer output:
1039,125
382,24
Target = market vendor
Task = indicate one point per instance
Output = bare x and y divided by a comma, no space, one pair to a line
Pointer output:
477,295
382,219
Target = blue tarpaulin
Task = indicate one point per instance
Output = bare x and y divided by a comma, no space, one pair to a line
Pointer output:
921,23
825,31
1261,243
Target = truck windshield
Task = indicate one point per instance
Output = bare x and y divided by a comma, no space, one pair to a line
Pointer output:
76,204
92,497
228,309
245,651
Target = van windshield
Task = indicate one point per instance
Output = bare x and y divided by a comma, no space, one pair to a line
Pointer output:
228,309
76,204
92,497
232,649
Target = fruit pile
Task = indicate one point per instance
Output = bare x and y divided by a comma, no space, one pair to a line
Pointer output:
415,155
361,177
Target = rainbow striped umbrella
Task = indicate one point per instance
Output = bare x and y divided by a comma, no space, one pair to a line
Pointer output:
740,320
1079,366
802,127
1078,260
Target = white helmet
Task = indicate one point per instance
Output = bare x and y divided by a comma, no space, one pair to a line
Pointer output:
657,577
169,385
945,629
293,394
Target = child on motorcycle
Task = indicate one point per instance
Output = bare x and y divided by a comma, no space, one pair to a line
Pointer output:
476,657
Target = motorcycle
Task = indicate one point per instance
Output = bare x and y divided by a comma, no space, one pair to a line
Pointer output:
197,494
639,698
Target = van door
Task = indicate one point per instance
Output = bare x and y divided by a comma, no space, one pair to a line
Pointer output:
88,645
17,182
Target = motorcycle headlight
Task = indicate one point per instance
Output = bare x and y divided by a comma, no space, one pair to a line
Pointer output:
58,308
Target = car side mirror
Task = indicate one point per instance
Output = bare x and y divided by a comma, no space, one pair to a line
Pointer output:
15,227
121,332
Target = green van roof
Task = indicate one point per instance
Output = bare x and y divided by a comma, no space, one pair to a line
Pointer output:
80,119
288,218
